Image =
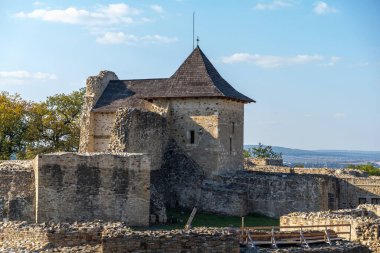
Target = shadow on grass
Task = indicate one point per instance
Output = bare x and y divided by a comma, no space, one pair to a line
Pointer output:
177,218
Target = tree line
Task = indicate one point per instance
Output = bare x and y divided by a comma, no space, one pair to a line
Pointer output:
29,128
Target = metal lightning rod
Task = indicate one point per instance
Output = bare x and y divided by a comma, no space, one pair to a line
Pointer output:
193,27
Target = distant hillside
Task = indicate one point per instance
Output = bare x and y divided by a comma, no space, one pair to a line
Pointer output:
325,158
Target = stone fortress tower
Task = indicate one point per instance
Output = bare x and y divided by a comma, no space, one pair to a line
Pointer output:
195,109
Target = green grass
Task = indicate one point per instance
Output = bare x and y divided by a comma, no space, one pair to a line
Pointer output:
214,220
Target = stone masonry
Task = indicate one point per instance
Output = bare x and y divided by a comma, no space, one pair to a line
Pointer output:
16,190
116,237
364,221
79,187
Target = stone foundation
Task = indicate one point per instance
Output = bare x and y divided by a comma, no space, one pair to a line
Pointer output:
112,237
365,223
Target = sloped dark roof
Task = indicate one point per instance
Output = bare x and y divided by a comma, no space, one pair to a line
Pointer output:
196,77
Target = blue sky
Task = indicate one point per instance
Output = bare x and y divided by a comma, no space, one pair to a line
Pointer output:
312,66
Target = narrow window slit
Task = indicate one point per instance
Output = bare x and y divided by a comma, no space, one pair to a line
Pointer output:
192,136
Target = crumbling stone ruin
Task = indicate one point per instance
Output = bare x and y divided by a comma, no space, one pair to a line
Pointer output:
150,144
115,237
364,221
177,142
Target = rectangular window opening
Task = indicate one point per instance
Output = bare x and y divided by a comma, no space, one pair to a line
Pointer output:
192,136
230,145
375,201
362,201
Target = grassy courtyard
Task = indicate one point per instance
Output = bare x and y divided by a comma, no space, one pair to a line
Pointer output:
177,219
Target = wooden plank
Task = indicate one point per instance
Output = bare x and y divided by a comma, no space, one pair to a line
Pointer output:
188,224
305,226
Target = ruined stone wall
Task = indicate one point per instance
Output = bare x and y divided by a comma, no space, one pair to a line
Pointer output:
77,187
196,240
364,223
16,190
253,161
112,237
356,189
266,166
140,131
95,85
273,195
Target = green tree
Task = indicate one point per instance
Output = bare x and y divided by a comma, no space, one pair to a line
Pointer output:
12,126
262,151
54,124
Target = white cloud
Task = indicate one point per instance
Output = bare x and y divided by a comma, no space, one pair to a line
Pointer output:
22,74
270,61
102,22
104,15
276,4
332,61
120,37
157,8
322,8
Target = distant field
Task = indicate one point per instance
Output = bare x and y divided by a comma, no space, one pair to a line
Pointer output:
180,217
325,158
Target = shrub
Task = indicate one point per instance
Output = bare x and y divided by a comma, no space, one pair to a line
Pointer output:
369,168
261,151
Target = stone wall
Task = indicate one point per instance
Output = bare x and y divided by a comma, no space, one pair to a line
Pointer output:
113,237
354,187
140,131
218,132
264,161
77,187
365,224
231,134
196,240
102,127
95,85
359,189
273,195
16,190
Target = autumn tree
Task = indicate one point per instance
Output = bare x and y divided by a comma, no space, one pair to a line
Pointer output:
13,125
53,125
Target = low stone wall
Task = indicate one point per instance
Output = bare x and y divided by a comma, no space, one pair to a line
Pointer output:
16,190
195,240
365,223
340,173
112,237
264,161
